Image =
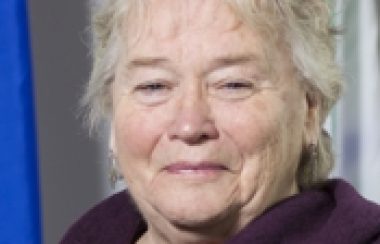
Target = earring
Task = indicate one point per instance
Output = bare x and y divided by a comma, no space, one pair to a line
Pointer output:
114,172
313,159
313,152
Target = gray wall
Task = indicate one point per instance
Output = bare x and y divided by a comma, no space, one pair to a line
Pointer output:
70,167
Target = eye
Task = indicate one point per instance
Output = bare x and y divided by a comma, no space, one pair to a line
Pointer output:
153,91
237,84
151,86
232,89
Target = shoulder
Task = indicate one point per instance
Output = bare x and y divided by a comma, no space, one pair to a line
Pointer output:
352,216
347,198
332,212
114,220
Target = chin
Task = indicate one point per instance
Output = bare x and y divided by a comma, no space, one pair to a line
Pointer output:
201,216
194,205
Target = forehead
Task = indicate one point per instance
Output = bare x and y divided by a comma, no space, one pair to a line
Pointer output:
161,22
193,33
165,18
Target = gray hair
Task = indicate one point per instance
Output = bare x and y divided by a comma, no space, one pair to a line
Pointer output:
304,25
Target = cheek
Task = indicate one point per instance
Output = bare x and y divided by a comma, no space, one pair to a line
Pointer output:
267,131
252,125
137,132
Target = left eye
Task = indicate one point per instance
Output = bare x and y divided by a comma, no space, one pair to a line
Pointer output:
239,84
232,89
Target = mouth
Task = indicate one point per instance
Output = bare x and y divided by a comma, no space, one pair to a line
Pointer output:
195,168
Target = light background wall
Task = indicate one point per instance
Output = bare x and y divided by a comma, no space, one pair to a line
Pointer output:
355,122
73,167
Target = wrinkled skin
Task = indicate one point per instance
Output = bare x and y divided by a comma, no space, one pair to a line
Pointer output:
192,88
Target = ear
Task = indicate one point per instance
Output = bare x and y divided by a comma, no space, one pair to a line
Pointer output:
312,127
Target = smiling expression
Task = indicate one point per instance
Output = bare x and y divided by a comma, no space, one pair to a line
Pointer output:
205,133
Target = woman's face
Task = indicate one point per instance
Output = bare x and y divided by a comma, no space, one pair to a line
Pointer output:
205,131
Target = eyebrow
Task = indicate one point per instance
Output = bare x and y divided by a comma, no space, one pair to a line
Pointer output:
148,61
215,64
231,60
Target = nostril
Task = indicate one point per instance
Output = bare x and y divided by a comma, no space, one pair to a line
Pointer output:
204,137
198,138
193,136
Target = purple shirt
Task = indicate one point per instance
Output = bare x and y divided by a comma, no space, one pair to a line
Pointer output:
332,213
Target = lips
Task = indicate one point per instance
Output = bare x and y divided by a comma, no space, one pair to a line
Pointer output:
194,167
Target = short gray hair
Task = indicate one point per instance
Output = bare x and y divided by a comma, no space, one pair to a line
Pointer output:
304,25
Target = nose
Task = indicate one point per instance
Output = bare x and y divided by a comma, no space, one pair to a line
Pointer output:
193,122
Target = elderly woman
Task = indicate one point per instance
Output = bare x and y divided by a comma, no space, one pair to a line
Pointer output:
216,111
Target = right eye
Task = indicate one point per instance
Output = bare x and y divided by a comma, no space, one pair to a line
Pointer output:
153,92
151,86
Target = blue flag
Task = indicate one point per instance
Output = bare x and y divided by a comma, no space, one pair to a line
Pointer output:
19,191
